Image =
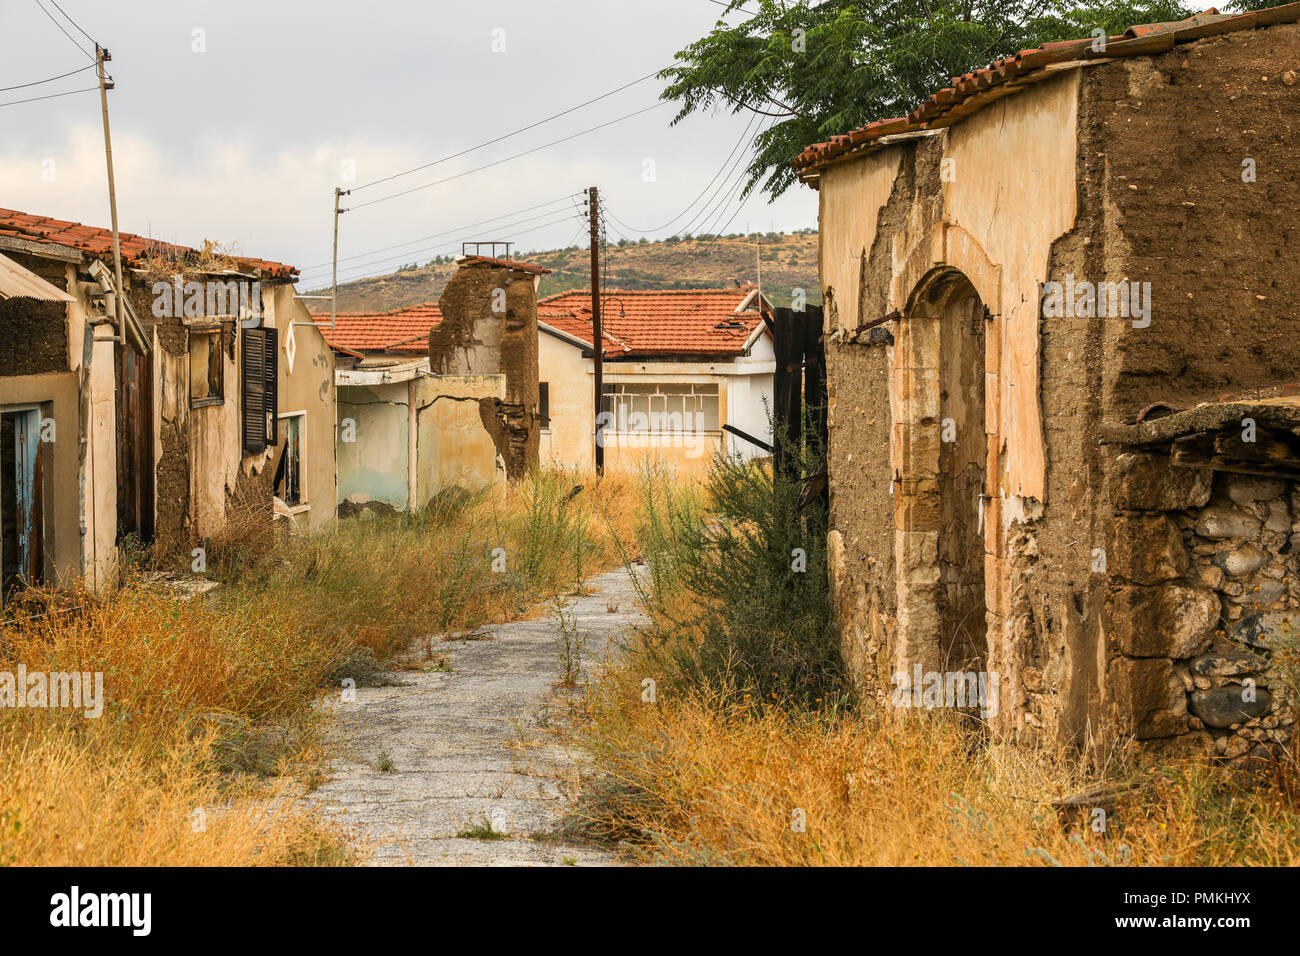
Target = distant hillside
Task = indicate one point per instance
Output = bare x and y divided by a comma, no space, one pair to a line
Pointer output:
789,262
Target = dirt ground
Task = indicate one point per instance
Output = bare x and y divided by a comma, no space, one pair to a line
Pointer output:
419,766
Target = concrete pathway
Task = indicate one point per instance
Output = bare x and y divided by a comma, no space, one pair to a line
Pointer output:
479,749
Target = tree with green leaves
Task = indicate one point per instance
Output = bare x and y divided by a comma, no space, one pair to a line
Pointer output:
812,70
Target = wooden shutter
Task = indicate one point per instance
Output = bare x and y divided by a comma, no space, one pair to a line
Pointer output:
270,392
260,398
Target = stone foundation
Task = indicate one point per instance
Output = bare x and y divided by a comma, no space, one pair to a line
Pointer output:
1204,590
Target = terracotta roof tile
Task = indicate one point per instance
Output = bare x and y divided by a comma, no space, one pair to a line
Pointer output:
97,241
1140,40
404,331
657,322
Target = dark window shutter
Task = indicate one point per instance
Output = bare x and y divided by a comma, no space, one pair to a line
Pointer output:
253,380
271,391
260,391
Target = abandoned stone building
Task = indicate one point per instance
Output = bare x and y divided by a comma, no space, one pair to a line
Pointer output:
489,326
1062,301
438,395
214,392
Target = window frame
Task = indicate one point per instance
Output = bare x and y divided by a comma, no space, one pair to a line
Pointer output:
214,334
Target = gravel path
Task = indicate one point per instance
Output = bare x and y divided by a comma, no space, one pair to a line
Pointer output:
477,745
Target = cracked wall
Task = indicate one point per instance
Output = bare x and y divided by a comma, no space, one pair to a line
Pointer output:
489,327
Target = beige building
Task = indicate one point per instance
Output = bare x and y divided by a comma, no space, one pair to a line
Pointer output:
158,430
678,366
1059,304
409,429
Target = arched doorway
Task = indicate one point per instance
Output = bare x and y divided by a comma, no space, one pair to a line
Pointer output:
940,453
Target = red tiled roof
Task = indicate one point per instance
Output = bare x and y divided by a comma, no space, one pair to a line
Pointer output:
657,322
962,98
401,330
99,242
509,264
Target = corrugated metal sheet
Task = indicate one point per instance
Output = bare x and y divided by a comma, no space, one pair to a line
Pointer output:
19,283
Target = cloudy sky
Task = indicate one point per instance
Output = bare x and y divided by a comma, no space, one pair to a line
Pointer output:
234,121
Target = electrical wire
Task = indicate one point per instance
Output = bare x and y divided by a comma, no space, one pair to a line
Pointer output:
416,252
442,246
33,99
438,247
65,32
411,242
507,159
22,86
524,129
73,22
691,204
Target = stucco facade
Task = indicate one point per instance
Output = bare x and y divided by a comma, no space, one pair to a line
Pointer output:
974,497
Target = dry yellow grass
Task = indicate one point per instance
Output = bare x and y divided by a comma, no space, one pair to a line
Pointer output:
66,802
208,722
692,781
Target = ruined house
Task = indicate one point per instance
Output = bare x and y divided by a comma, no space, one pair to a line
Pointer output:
170,424
405,434
1062,302
489,326
678,366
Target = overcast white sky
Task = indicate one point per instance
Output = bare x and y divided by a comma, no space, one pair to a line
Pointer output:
244,142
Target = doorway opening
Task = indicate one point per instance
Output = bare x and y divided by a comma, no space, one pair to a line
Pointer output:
22,500
941,482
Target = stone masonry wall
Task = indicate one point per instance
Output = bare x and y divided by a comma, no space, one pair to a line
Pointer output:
1203,585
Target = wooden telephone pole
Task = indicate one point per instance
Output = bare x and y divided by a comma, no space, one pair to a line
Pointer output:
101,57
597,334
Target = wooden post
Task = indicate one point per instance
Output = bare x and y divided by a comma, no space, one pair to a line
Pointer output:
597,333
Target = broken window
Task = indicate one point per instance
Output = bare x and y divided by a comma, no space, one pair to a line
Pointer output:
288,476
260,401
662,407
22,519
544,404
207,371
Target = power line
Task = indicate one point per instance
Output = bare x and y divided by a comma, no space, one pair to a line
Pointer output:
33,99
498,162
498,139
417,252
74,22
442,245
726,191
21,86
721,3
63,31
448,246
691,204
411,242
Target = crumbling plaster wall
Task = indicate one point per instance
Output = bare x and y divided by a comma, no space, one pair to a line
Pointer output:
306,385
373,465
1109,214
200,470
453,449
888,220
489,327
1222,267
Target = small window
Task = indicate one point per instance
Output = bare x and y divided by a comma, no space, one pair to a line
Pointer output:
207,371
288,477
544,404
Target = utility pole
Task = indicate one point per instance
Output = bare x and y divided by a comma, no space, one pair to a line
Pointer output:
102,56
334,284
597,333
